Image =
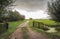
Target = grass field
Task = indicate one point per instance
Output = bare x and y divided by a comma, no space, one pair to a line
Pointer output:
12,28
46,21
49,22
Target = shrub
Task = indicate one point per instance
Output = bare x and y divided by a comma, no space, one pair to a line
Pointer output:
44,28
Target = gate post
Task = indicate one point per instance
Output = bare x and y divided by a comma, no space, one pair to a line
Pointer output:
33,23
38,24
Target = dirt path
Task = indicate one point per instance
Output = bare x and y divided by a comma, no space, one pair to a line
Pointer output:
18,33
32,34
36,35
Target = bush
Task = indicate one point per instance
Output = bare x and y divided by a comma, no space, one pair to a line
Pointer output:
44,28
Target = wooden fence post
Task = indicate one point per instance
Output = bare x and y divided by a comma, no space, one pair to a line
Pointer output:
33,23
38,24
6,24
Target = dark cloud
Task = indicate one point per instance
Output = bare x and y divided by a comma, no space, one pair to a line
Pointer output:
31,4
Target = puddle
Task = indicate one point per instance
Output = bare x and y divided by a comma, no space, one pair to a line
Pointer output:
51,30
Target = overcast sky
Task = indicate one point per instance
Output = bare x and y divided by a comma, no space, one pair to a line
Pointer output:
32,8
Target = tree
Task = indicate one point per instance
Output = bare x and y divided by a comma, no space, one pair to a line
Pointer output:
54,10
30,18
22,17
14,16
3,6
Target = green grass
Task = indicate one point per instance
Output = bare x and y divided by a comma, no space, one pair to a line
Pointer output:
12,28
49,22
25,34
13,25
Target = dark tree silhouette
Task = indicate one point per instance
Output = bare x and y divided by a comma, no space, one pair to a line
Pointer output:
3,6
54,10
14,16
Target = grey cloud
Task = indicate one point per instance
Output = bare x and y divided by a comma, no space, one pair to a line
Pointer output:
31,4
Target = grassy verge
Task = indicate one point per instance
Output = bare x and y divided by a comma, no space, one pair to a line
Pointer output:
12,28
25,34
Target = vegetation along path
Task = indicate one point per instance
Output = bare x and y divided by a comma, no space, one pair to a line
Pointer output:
19,33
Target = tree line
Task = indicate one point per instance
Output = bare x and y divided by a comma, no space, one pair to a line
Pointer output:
5,13
12,16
